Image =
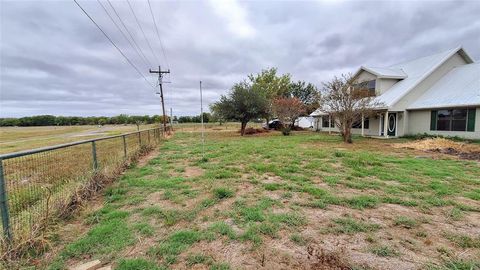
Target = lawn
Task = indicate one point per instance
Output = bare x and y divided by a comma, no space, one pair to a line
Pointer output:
302,201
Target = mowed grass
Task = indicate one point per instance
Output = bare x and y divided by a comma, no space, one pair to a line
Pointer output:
275,195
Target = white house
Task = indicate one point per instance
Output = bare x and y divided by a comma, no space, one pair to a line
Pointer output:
437,94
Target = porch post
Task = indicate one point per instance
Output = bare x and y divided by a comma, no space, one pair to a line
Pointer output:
363,128
385,125
329,124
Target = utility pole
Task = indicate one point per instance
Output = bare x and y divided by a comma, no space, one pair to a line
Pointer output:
160,77
201,117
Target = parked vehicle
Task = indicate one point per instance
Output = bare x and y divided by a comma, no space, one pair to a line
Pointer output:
273,124
304,122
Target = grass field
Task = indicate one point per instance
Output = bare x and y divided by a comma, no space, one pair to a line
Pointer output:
275,202
13,139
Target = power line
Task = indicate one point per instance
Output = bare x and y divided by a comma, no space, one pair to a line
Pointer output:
121,31
129,33
158,35
113,43
141,29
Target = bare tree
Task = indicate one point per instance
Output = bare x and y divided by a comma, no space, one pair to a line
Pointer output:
288,110
346,101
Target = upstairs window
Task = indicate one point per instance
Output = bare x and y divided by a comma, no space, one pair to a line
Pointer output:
368,86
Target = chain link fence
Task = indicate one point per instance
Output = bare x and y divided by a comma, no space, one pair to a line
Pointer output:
39,185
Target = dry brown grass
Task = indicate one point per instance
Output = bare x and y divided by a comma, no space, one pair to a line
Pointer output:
56,204
463,149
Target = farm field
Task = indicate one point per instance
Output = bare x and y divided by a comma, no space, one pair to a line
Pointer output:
13,139
305,201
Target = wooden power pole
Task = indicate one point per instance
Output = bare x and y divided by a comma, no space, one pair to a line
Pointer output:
160,77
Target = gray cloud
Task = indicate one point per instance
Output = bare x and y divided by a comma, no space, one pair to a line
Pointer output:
54,60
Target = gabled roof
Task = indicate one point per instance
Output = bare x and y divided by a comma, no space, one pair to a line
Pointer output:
417,70
459,87
387,73
318,112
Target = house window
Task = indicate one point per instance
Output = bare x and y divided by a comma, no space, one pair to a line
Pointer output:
358,124
367,85
453,120
325,122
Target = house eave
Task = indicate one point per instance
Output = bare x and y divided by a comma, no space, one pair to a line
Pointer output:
443,106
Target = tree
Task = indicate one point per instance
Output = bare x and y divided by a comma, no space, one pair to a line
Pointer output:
288,110
346,102
271,85
243,104
307,93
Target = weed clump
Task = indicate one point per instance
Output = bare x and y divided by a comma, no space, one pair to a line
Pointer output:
223,193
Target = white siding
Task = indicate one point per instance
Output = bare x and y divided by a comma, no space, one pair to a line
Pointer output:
383,85
365,76
419,123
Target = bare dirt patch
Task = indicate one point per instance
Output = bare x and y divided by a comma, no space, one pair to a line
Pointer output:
191,172
146,158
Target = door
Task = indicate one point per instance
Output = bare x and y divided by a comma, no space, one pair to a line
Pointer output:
392,124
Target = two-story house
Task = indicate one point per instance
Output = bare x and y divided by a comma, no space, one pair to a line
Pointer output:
437,94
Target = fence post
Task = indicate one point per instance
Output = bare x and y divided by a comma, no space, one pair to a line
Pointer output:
94,156
139,139
124,147
4,205
148,133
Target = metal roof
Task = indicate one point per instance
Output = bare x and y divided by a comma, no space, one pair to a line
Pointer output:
459,87
388,73
417,70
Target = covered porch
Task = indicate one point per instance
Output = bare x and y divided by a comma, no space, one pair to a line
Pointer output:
383,124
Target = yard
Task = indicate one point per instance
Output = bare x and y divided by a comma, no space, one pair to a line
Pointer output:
275,202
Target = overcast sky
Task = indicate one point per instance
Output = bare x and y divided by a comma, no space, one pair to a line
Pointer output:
55,61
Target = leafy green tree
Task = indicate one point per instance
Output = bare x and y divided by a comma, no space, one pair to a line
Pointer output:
307,93
271,86
243,104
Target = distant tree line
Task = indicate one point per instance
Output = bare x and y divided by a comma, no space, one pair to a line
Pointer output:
51,120
207,117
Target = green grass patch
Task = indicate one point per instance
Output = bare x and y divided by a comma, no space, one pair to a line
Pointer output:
193,259
175,244
349,225
144,229
362,201
463,241
405,222
222,228
289,219
298,239
223,193
109,237
136,264
384,251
